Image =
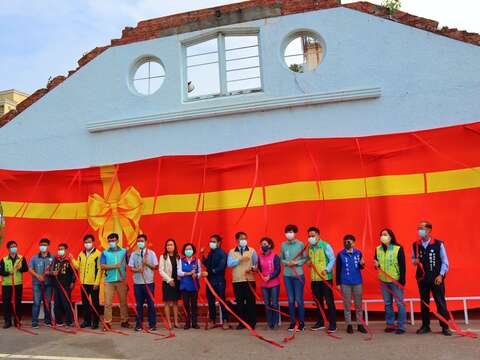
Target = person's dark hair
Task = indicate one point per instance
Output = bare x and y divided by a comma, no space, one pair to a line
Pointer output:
175,249
313,228
269,241
392,235
63,245
349,237
113,236
89,237
142,236
188,244
291,227
44,241
428,224
217,237
240,233
10,243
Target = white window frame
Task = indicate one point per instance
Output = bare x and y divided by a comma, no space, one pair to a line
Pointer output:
222,63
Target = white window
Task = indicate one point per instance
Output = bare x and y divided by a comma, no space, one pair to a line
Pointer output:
304,52
148,76
224,65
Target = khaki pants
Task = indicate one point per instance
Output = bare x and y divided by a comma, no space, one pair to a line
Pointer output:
111,288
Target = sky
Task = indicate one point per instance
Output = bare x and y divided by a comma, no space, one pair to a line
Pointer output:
40,39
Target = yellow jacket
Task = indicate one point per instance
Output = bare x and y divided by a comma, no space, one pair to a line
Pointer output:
89,267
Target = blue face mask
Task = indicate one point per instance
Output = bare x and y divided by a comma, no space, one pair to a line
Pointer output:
422,233
140,244
43,248
13,250
112,244
188,252
213,245
265,248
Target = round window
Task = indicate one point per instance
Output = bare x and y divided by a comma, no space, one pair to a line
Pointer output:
304,52
148,76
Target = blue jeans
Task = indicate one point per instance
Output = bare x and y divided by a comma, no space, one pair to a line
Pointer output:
41,293
388,299
294,287
142,296
270,297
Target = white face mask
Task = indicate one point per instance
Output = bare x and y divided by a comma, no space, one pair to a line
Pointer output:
88,246
312,240
385,239
290,235
242,243
61,252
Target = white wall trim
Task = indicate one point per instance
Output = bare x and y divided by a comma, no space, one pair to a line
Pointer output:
241,108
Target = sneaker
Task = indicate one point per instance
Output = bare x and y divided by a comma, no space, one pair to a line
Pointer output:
57,325
424,330
350,329
7,325
332,329
35,326
125,325
138,328
95,326
48,324
361,329
400,331
301,326
68,324
152,328
317,326
291,327
390,329
84,325
446,332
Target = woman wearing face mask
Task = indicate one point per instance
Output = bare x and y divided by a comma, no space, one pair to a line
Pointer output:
189,270
293,257
390,258
170,288
269,269
215,264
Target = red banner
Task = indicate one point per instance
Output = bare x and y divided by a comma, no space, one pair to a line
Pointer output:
341,185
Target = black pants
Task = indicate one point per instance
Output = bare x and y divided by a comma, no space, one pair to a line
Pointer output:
7,294
322,292
191,305
245,299
438,293
89,316
219,287
61,306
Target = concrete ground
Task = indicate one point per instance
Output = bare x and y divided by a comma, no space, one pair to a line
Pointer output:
234,344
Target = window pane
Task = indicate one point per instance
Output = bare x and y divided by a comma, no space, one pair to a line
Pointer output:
142,72
155,84
232,42
203,47
244,85
202,59
141,86
242,74
205,79
235,54
303,53
156,69
237,64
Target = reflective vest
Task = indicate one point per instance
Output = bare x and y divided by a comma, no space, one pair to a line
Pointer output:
388,262
319,259
10,266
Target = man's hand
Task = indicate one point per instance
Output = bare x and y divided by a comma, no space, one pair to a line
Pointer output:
339,287
244,258
172,283
40,277
323,273
117,266
204,274
202,251
438,280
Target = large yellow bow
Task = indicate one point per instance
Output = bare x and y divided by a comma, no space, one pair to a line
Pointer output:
121,215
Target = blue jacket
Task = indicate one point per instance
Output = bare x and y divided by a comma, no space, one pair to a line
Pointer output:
187,283
215,265
348,268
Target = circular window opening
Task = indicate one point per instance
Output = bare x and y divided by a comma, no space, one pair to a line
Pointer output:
304,52
148,76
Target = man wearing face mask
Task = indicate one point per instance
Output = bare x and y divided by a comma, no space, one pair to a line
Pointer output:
430,257
390,258
292,255
64,278
113,261
88,264
321,255
41,269
12,267
215,264
144,260
350,263
243,261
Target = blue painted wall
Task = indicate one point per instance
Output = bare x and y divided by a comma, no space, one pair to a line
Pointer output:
427,81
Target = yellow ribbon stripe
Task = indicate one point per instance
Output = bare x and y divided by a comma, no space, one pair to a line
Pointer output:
389,185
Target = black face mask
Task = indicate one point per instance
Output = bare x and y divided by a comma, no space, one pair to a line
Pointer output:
348,245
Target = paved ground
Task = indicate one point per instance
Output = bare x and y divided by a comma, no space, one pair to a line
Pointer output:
232,345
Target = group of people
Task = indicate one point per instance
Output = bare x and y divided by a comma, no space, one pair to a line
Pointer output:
180,271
